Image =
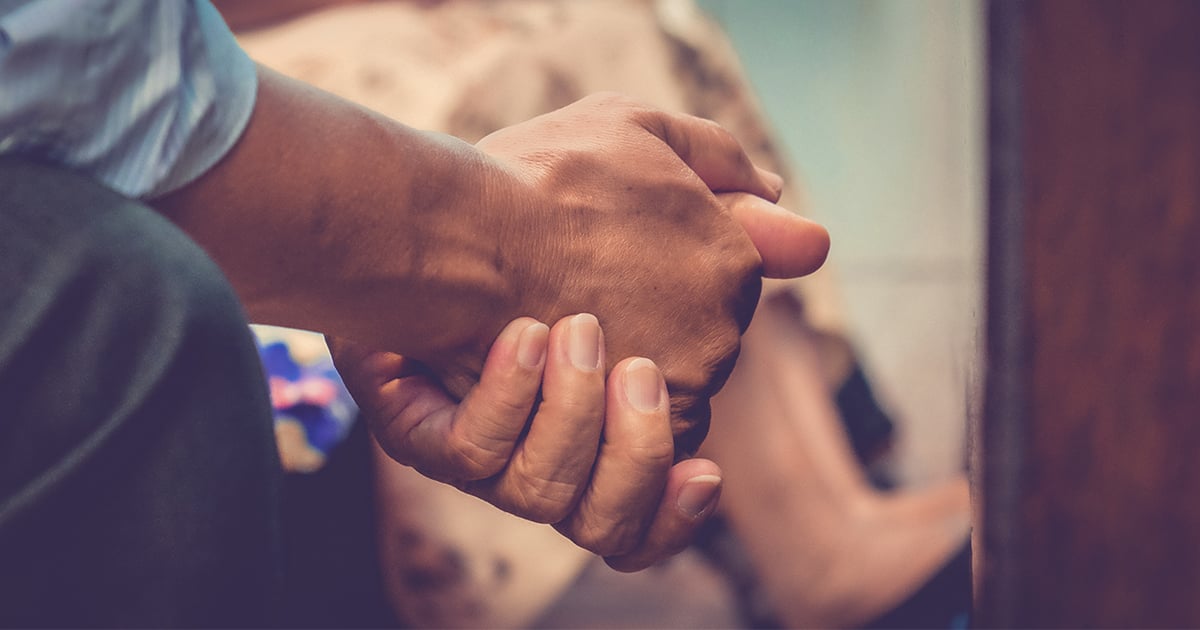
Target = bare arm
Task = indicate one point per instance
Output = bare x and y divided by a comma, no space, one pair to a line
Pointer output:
329,217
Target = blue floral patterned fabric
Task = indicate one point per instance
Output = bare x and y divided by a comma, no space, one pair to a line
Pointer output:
313,411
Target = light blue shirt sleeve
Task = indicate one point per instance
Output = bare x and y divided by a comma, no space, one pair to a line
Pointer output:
144,96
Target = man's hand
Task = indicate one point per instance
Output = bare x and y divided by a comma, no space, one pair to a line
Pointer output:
596,459
657,223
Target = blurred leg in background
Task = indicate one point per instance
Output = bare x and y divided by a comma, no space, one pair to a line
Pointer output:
827,547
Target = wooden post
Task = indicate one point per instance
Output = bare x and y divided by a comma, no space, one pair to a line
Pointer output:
1091,435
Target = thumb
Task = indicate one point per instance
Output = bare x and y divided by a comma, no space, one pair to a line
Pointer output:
790,245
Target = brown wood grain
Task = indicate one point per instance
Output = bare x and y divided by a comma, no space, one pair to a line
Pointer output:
1092,435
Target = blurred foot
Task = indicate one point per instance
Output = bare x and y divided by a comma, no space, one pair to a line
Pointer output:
829,549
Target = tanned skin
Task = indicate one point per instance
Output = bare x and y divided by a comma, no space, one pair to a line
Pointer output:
403,243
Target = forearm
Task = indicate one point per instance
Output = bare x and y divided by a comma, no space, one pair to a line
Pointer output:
330,217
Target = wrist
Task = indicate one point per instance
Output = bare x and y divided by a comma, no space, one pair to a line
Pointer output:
465,267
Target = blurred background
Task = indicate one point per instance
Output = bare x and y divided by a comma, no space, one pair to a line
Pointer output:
878,106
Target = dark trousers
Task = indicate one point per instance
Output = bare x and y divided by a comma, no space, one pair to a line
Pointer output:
139,481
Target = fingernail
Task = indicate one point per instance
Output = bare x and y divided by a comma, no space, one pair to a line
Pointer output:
699,495
642,386
531,346
583,342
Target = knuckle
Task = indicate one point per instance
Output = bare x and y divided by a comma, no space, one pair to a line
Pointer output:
743,285
717,134
720,352
721,134
654,455
691,427
508,404
608,538
612,98
471,460
537,500
653,119
550,512
746,303
545,503
726,349
575,408
729,143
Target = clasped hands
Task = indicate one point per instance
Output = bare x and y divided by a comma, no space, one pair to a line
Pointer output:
629,245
